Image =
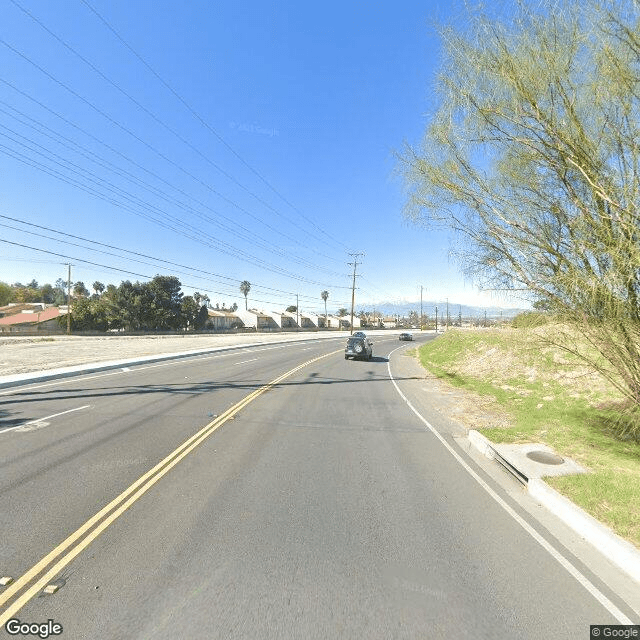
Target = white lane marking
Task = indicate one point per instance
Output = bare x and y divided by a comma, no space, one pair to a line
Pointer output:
39,422
114,372
105,374
31,426
126,369
245,361
582,579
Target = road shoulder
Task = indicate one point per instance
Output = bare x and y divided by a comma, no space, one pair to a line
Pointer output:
455,412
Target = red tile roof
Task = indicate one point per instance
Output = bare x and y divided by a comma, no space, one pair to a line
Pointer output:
35,317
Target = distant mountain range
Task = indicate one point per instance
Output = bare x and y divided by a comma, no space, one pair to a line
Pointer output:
428,308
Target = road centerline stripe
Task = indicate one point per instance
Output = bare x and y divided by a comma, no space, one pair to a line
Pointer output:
112,511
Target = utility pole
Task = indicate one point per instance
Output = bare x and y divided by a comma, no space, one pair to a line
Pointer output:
447,313
355,263
421,314
69,299
297,313
436,319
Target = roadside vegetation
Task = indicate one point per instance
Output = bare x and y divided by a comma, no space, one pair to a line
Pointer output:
530,159
540,392
156,305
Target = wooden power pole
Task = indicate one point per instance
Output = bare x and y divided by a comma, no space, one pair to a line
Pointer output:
355,263
69,300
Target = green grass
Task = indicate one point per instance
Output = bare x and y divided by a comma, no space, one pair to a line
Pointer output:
544,396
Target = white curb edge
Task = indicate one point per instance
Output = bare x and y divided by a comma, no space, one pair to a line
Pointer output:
620,552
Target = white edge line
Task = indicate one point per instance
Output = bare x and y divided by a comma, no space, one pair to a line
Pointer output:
53,415
582,579
245,361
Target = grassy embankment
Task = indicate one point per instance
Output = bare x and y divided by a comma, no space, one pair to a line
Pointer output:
541,394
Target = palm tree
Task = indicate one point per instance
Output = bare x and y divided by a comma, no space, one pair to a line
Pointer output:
245,287
324,295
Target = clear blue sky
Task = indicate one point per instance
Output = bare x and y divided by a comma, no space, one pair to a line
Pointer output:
303,107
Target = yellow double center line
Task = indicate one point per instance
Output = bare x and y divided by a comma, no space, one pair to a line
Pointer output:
117,507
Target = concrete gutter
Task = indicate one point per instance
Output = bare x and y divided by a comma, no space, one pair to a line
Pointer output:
620,552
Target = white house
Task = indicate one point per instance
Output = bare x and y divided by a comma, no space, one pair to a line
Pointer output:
258,320
309,320
223,320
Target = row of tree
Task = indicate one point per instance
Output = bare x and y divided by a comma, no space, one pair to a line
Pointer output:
157,305
46,293
33,292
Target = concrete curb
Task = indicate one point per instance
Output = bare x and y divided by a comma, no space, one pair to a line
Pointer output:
77,370
620,552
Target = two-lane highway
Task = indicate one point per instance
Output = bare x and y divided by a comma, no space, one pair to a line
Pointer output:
267,492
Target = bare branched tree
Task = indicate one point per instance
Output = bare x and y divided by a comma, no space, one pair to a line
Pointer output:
533,158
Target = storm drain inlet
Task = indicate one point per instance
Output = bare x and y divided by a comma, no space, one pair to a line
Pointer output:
544,457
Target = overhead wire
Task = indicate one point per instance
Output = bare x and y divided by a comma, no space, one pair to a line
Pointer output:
134,200
125,271
162,123
94,178
159,121
195,270
204,123
91,177
138,138
127,175
196,235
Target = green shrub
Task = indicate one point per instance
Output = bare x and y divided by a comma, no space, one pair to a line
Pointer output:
529,319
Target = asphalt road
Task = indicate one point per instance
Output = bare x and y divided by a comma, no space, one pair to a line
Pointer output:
320,507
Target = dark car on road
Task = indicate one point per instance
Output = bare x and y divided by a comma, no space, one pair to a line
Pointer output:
358,346
405,336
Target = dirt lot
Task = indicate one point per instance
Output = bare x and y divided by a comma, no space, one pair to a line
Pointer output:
29,354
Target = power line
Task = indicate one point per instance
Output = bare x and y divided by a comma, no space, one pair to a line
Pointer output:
130,252
132,178
142,141
191,232
139,202
208,126
128,272
150,113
